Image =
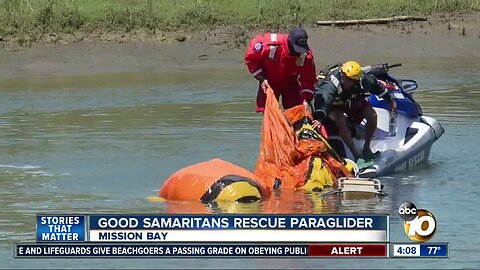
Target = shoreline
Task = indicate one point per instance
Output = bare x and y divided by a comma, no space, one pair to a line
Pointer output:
220,49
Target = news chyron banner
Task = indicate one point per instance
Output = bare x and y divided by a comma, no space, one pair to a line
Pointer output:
126,236
233,228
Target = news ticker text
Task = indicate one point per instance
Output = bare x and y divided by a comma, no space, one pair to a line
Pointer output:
314,250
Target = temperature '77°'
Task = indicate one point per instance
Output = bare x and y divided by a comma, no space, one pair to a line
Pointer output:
433,250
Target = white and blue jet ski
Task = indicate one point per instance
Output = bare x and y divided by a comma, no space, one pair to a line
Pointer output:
404,140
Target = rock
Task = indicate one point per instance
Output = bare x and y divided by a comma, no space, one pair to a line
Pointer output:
67,38
142,35
26,40
51,38
180,38
79,36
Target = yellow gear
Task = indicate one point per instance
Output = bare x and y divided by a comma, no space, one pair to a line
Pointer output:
320,177
352,70
239,190
351,167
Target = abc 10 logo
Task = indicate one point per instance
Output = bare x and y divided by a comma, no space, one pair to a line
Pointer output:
419,224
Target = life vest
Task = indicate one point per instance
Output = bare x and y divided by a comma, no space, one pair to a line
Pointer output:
346,98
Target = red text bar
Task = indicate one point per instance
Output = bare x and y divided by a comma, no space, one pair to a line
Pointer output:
347,250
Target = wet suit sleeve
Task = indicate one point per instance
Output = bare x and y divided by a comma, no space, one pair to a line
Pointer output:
325,93
372,85
254,58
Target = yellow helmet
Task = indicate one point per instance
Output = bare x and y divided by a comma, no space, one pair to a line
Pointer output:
352,70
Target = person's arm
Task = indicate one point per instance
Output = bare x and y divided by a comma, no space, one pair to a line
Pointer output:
254,58
325,93
308,78
372,85
376,87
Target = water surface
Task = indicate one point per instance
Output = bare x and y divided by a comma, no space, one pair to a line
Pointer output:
104,143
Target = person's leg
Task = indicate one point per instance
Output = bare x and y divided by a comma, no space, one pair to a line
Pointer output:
337,116
359,110
371,116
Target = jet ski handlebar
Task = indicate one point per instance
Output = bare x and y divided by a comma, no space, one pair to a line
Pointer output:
394,65
384,67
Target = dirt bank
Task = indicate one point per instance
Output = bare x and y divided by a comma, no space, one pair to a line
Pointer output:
457,36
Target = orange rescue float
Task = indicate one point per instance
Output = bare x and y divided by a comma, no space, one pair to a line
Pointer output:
214,180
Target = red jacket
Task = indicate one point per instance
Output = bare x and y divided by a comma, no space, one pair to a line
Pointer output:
268,55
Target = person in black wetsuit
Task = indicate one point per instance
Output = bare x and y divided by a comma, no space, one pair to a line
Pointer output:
344,91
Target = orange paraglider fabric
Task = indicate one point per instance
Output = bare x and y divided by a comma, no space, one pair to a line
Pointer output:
283,158
327,154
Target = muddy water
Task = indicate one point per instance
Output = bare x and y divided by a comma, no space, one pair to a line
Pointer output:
102,144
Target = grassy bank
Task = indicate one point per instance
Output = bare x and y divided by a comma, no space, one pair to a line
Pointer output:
36,17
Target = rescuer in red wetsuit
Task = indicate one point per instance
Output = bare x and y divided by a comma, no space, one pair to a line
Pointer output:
285,63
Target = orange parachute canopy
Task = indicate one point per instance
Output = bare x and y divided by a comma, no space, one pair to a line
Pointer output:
213,180
284,159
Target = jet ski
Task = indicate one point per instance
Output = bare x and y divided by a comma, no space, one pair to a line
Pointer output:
403,140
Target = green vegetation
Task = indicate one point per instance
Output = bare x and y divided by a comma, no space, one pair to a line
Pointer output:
36,17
